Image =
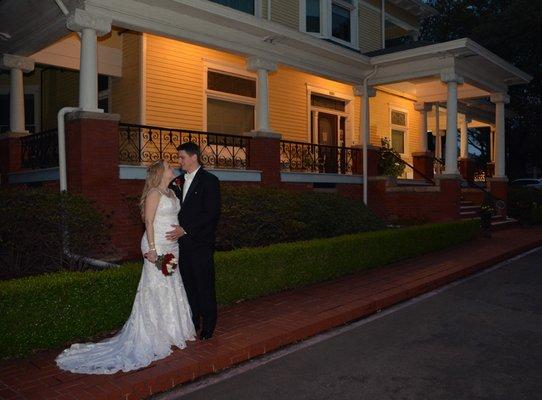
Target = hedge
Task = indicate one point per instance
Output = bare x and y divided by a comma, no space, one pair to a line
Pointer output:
260,216
49,310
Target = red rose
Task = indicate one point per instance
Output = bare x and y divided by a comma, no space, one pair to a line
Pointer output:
178,182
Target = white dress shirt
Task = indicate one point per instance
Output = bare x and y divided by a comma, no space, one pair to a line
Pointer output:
188,178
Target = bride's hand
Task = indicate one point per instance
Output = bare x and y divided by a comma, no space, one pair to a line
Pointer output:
151,256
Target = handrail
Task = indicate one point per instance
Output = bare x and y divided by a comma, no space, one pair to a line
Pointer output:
430,180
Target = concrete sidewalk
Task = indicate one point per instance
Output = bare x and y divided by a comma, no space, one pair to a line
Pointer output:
258,326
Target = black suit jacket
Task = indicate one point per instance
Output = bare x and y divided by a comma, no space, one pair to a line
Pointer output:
200,210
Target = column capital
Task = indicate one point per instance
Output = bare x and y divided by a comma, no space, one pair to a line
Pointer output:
360,91
421,106
11,61
256,63
499,98
448,77
81,19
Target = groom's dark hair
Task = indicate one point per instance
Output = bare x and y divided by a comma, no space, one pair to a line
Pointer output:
190,148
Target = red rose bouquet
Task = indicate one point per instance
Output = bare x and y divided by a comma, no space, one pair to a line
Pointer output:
166,263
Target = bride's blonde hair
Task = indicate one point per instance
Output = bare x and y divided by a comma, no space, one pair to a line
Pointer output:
155,171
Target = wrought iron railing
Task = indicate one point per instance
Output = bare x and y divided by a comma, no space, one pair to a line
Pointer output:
142,144
40,150
307,157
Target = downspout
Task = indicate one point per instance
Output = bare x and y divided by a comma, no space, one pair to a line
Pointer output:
366,127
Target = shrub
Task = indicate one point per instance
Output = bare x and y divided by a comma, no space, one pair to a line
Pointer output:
256,216
49,310
524,204
390,160
32,233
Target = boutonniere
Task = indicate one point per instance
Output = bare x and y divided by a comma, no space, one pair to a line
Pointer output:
178,182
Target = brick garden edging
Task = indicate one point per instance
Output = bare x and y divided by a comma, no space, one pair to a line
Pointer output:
255,327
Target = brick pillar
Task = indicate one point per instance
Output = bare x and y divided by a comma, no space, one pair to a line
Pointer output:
498,187
467,168
490,169
376,193
423,162
10,154
92,160
264,155
450,195
372,160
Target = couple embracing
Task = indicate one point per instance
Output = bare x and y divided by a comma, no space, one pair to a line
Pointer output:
171,305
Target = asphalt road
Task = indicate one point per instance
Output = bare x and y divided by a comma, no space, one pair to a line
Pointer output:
479,339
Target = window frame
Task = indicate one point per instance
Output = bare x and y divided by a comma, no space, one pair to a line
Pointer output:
326,22
258,8
348,113
397,127
232,70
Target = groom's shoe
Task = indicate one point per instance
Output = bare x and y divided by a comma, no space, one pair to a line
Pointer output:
205,335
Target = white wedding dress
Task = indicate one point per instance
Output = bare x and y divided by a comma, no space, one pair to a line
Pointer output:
160,317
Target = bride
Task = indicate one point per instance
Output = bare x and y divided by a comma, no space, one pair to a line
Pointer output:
160,315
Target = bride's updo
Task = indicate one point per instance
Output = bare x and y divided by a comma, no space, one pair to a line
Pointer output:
153,179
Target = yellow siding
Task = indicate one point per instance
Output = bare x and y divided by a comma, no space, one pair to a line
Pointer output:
288,102
265,8
176,94
175,81
380,120
286,12
370,33
125,98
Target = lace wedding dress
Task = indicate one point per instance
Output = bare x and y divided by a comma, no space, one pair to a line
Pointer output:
160,315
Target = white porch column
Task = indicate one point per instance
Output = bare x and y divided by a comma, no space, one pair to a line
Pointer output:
451,80
436,132
365,116
90,26
491,145
366,92
464,153
423,108
262,68
17,66
500,99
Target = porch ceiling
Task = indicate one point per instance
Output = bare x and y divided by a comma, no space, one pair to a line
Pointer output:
27,26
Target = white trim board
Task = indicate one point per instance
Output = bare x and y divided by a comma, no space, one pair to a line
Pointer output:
138,172
314,177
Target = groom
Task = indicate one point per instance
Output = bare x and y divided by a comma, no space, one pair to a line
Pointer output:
198,218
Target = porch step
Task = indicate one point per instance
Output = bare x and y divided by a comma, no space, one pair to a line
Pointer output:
504,223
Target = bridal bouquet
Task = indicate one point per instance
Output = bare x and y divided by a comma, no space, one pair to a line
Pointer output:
166,263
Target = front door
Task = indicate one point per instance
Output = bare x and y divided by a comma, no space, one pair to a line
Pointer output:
327,136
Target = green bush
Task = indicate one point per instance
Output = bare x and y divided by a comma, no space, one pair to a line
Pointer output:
524,204
49,310
256,216
32,230
389,163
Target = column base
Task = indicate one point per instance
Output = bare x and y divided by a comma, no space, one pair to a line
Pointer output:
263,134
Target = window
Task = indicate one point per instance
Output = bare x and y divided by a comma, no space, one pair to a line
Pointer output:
247,6
231,101
340,22
103,93
398,122
313,16
335,20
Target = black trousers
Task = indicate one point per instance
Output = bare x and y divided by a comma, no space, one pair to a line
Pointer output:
197,269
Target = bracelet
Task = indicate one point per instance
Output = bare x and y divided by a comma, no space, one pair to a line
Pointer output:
153,249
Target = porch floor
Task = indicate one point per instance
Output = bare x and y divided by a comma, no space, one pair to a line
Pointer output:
255,327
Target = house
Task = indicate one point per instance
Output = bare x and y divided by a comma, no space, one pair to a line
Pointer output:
281,92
